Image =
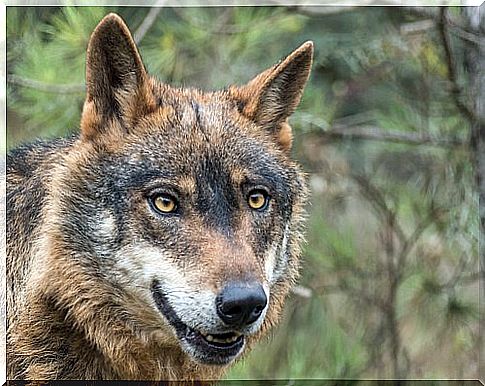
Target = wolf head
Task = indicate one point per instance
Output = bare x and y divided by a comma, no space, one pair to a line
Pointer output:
185,205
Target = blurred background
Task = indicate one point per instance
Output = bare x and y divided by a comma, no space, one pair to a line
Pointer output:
388,131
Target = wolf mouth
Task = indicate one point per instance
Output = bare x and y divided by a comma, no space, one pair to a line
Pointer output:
207,348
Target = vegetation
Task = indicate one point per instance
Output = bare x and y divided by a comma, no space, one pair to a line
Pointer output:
389,132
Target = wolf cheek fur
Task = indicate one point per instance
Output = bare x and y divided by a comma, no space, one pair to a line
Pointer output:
162,241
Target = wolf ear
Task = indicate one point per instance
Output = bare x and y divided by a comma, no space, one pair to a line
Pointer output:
116,79
272,96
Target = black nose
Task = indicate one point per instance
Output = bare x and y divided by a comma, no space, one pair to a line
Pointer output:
240,304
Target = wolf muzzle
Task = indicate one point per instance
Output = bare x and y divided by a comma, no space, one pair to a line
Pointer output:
239,306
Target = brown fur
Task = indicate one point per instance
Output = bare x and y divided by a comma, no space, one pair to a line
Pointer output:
67,316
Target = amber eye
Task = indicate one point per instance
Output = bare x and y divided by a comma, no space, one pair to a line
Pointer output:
258,199
164,203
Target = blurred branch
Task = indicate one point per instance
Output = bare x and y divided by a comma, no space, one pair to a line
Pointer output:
375,343
47,87
355,293
452,69
410,242
354,127
301,291
454,26
309,10
359,273
472,277
416,27
375,133
459,278
428,12
465,35
148,21
80,88
374,196
222,26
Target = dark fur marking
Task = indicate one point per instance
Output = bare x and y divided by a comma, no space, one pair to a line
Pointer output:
196,108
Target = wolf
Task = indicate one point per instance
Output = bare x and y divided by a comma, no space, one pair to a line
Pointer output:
160,242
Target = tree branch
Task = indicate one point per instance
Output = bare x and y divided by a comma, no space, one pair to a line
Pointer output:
454,26
375,133
355,294
409,243
148,21
354,127
47,87
80,88
377,200
451,64
301,291
309,10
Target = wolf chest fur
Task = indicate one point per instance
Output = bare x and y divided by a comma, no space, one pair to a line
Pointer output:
162,241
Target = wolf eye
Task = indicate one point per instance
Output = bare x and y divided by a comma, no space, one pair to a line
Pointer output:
258,199
164,203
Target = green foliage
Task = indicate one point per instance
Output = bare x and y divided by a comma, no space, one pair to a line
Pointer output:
392,235
335,352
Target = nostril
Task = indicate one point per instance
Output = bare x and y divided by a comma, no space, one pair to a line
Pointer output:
240,304
255,314
232,311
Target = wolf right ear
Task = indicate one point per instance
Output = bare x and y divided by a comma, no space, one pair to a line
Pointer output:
272,96
116,79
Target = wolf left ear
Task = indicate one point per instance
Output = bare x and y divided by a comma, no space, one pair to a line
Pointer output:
116,79
272,96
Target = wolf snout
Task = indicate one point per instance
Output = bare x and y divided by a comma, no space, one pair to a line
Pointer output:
240,304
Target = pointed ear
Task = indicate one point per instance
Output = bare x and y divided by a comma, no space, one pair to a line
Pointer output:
272,96
116,79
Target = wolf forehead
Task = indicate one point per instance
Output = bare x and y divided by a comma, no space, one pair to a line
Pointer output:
195,125
195,164
197,136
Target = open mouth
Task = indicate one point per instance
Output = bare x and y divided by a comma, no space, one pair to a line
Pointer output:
205,347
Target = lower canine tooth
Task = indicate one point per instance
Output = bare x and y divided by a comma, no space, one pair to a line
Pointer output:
209,338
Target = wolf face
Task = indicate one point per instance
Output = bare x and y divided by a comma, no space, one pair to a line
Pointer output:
184,206
189,198
196,218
